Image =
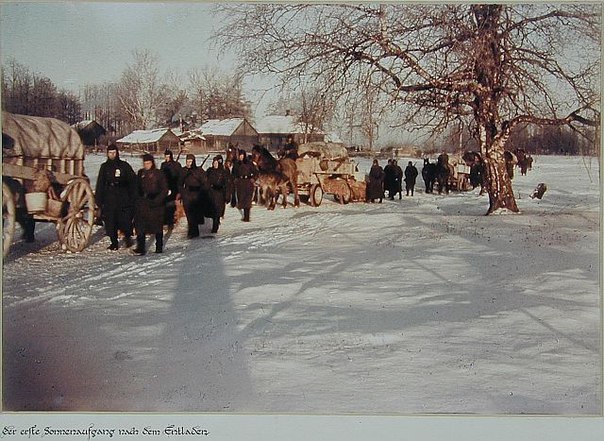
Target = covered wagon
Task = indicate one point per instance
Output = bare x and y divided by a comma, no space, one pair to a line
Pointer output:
43,180
326,168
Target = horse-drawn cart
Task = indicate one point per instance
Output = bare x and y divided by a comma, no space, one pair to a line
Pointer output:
43,180
326,168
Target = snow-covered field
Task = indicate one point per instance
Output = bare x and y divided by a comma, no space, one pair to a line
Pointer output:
418,306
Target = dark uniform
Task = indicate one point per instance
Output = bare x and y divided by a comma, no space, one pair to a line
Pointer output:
398,179
150,206
244,174
375,186
290,149
115,194
192,181
410,178
171,170
390,179
217,193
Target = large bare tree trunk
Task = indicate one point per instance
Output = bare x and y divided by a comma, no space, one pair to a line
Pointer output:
498,183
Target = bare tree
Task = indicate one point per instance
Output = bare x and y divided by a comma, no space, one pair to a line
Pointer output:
500,65
141,91
218,95
312,104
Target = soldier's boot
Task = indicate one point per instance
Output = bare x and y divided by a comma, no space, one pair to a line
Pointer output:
140,245
114,245
159,242
246,214
215,224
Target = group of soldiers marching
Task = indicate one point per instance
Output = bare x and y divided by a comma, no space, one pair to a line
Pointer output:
147,201
390,179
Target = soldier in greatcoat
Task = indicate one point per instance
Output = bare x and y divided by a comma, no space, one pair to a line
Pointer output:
390,179
398,179
217,192
375,186
171,170
150,205
192,181
410,178
115,194
245,173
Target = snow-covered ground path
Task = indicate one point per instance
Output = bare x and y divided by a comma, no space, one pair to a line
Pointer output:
416,306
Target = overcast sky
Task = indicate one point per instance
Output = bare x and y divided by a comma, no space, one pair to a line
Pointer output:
79,43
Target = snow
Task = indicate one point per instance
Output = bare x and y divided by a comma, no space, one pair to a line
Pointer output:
144,136
221,127
410,307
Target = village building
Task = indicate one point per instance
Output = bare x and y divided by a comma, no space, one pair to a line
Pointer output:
219,134
152,141
273,131
90,133
192,141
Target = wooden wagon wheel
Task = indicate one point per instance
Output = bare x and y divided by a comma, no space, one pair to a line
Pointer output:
8,218
74,228
344,194
316,195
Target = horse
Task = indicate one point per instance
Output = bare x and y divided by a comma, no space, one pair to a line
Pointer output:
266,163
429,175
474,161
270,185
444,172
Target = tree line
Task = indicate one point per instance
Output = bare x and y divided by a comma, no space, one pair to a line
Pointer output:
143,97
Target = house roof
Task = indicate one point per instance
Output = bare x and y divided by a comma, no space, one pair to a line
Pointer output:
281,124
82,124
221,127
145,136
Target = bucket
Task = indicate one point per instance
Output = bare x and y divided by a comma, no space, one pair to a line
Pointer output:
36,202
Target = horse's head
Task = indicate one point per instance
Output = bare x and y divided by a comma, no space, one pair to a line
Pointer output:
231,154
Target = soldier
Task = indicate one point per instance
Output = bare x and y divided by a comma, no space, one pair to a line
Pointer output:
390,179
150,205
171,170
410,177
244,173
375,187
398,179
192,181
290,149
115,194
217,192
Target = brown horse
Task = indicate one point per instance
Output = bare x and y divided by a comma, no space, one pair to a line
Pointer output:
267,163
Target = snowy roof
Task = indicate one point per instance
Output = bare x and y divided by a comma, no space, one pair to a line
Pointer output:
281,124
145,136
221,127
82,124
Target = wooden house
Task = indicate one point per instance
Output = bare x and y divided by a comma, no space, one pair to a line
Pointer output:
236,131
152,141
90,132
191,141
274,130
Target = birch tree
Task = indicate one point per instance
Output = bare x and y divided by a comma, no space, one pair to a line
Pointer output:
141,91
496,65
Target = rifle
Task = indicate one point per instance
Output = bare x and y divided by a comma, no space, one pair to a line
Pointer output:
204,161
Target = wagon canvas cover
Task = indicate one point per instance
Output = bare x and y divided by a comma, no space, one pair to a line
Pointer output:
324,150
38,137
